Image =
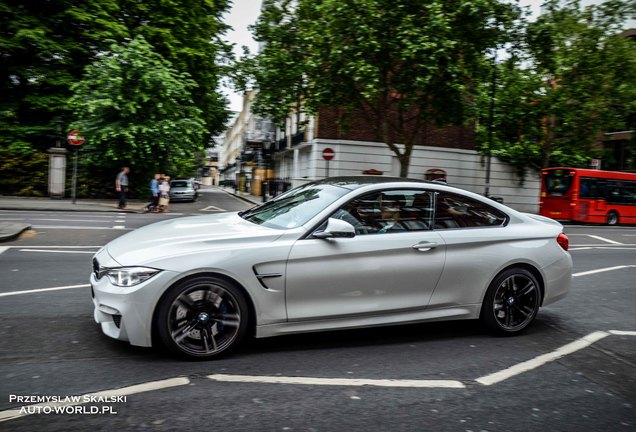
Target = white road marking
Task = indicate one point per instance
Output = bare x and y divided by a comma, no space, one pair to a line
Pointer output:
54,247
3,248
602,270
487,380
536,362
86,398
623,333
604,239
57,251
212,208
75,228
337,381
13,293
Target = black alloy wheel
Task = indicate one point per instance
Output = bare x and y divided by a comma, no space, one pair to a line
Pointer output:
202,318
512,301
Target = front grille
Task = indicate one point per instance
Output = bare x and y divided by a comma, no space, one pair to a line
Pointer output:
117,320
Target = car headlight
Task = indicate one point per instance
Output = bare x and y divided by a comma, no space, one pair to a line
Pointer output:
130,276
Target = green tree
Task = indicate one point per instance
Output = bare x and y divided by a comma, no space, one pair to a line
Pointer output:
45,46
573,79
402,64
136,110
188,34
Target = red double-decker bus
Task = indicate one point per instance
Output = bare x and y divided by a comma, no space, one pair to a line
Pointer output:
592,196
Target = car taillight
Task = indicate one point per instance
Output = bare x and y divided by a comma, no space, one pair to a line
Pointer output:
563,241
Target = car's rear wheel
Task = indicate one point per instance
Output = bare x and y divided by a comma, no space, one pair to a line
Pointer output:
203,318
511,302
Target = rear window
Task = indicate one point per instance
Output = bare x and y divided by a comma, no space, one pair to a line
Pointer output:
457,211
557,182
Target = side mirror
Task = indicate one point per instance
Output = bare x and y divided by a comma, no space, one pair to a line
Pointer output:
336,228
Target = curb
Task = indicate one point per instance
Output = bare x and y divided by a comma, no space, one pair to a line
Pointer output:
10,231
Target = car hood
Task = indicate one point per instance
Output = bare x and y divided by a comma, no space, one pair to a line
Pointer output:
187,235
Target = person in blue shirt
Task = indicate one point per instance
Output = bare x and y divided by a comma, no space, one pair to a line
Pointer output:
154,192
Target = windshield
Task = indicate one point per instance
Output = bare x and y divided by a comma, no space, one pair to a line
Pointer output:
557,182
296,207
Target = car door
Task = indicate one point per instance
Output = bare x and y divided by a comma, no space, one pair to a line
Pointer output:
476,239
391,265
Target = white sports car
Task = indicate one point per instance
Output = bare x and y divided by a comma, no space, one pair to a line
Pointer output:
333,254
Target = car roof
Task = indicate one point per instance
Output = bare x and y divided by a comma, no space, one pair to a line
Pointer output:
355,182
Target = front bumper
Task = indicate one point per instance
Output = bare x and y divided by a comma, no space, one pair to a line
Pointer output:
126,313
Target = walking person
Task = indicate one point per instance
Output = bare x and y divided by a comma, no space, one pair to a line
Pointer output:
154,194
164,194
121,186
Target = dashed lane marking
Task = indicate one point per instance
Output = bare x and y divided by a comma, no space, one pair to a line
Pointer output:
57,251
604,239
337,381
33,291
602,270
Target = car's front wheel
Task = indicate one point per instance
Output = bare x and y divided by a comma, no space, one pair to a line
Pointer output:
203,318
511,302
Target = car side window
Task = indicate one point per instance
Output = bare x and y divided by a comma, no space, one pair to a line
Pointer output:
389,212
454,211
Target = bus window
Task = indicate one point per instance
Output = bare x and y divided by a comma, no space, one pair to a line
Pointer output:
557,182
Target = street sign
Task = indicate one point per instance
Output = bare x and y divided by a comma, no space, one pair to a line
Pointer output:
328,154
75,138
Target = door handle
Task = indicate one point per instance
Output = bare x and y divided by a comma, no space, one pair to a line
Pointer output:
425,246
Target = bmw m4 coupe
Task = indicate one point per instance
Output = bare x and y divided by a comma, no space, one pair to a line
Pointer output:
339,253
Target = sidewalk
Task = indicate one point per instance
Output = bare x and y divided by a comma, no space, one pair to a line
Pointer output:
11,230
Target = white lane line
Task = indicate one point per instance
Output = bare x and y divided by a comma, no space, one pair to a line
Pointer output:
4,248
604,239
70,220
536,362
623,333
602,270
56,247
337,381
57,251
49,407
212,208
75,228
33,291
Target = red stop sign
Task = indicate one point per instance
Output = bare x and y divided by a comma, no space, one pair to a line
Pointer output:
328,154
75,138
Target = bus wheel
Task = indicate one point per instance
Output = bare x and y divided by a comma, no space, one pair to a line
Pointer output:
612,218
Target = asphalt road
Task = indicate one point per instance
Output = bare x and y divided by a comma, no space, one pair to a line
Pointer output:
573,370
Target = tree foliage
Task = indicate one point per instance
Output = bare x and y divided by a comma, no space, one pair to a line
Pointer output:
403,64
46,45
136,110
572,78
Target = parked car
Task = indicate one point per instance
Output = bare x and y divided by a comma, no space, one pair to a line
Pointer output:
334,254
183,190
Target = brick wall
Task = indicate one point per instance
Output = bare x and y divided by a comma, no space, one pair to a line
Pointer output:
359,129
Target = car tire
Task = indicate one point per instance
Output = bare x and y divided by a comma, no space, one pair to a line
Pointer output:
612,218
205,317
511,302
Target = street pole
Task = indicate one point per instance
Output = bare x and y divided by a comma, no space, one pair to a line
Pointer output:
74,182
491,120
